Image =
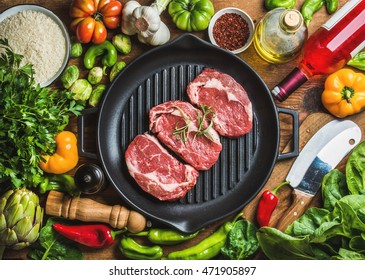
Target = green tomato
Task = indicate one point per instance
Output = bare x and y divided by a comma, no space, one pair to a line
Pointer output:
191,15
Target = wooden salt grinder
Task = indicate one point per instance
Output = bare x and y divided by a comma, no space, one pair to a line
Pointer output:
87,210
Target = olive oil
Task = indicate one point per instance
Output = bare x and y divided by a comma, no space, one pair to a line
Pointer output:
280,35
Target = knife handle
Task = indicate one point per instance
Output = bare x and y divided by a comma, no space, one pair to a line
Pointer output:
299,205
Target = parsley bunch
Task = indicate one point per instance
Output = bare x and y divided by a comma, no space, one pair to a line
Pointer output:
31,117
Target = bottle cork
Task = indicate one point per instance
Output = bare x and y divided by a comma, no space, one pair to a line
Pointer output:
292,20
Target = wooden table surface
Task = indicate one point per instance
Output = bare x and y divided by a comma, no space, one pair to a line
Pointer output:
306,100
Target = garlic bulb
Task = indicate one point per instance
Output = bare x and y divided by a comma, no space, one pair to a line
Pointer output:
145,21
159,38
128,27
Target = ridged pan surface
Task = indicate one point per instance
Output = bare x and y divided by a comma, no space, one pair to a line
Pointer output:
163,74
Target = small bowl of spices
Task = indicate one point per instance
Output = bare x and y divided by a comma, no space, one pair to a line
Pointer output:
231,29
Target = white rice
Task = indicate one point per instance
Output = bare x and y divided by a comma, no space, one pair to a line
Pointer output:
39,39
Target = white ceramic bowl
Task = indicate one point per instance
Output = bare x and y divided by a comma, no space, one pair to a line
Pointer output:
19,8
244,15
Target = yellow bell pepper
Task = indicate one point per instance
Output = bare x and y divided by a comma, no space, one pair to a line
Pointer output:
66,156
344,93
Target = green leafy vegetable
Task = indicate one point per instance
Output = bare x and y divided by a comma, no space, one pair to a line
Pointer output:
308,222
241,241
31,117
278,245
333,188
336,231
355,170
53,246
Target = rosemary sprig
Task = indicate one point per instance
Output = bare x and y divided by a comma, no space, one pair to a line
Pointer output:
182,132
207,110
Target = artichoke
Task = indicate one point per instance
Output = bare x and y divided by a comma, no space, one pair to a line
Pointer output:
20,219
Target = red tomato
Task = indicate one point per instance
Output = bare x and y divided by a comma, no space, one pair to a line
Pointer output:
92,17
75,22
85,5
111,9
78,13
102,3
85,30
100,33
111,22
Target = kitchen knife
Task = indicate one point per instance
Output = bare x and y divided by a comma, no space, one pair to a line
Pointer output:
327,147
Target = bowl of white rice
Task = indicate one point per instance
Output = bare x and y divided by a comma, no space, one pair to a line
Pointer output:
40,36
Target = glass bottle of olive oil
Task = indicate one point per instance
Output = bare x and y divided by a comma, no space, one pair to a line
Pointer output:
280,35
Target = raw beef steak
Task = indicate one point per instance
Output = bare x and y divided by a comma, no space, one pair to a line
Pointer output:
156,171
181,127
227,98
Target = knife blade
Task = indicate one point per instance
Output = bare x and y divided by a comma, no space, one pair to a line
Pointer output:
324,150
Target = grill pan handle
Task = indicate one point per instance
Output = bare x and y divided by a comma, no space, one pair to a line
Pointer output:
81,133
295,131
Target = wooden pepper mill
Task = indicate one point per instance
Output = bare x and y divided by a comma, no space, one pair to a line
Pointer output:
87,210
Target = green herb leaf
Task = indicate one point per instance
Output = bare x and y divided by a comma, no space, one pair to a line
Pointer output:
241,241
53,246
31,118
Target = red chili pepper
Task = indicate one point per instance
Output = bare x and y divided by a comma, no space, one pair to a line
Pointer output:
96,236
267,204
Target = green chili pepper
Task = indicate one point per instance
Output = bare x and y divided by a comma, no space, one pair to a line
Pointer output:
273,4
166,236
331,6
59,182
358,61
309,8
208,248
135,251
105,49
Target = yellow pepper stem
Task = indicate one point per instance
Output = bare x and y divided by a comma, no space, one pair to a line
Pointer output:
347,93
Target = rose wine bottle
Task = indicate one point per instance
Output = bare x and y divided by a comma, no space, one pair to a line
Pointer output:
329,48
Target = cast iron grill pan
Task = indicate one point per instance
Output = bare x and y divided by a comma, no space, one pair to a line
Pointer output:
162,75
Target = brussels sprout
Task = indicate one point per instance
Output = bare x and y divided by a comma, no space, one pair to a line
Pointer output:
69,76
117,67
76,49
81,89
95,75
122,43
96,95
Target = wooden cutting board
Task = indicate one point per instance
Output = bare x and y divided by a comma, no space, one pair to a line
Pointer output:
307,129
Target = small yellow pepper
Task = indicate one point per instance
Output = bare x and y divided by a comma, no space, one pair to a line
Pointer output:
66,156
344,93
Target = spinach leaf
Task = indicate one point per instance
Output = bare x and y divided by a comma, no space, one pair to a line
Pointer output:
344,254
53,246
308,222
241,241
277,245
355,170
357,243
334,187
